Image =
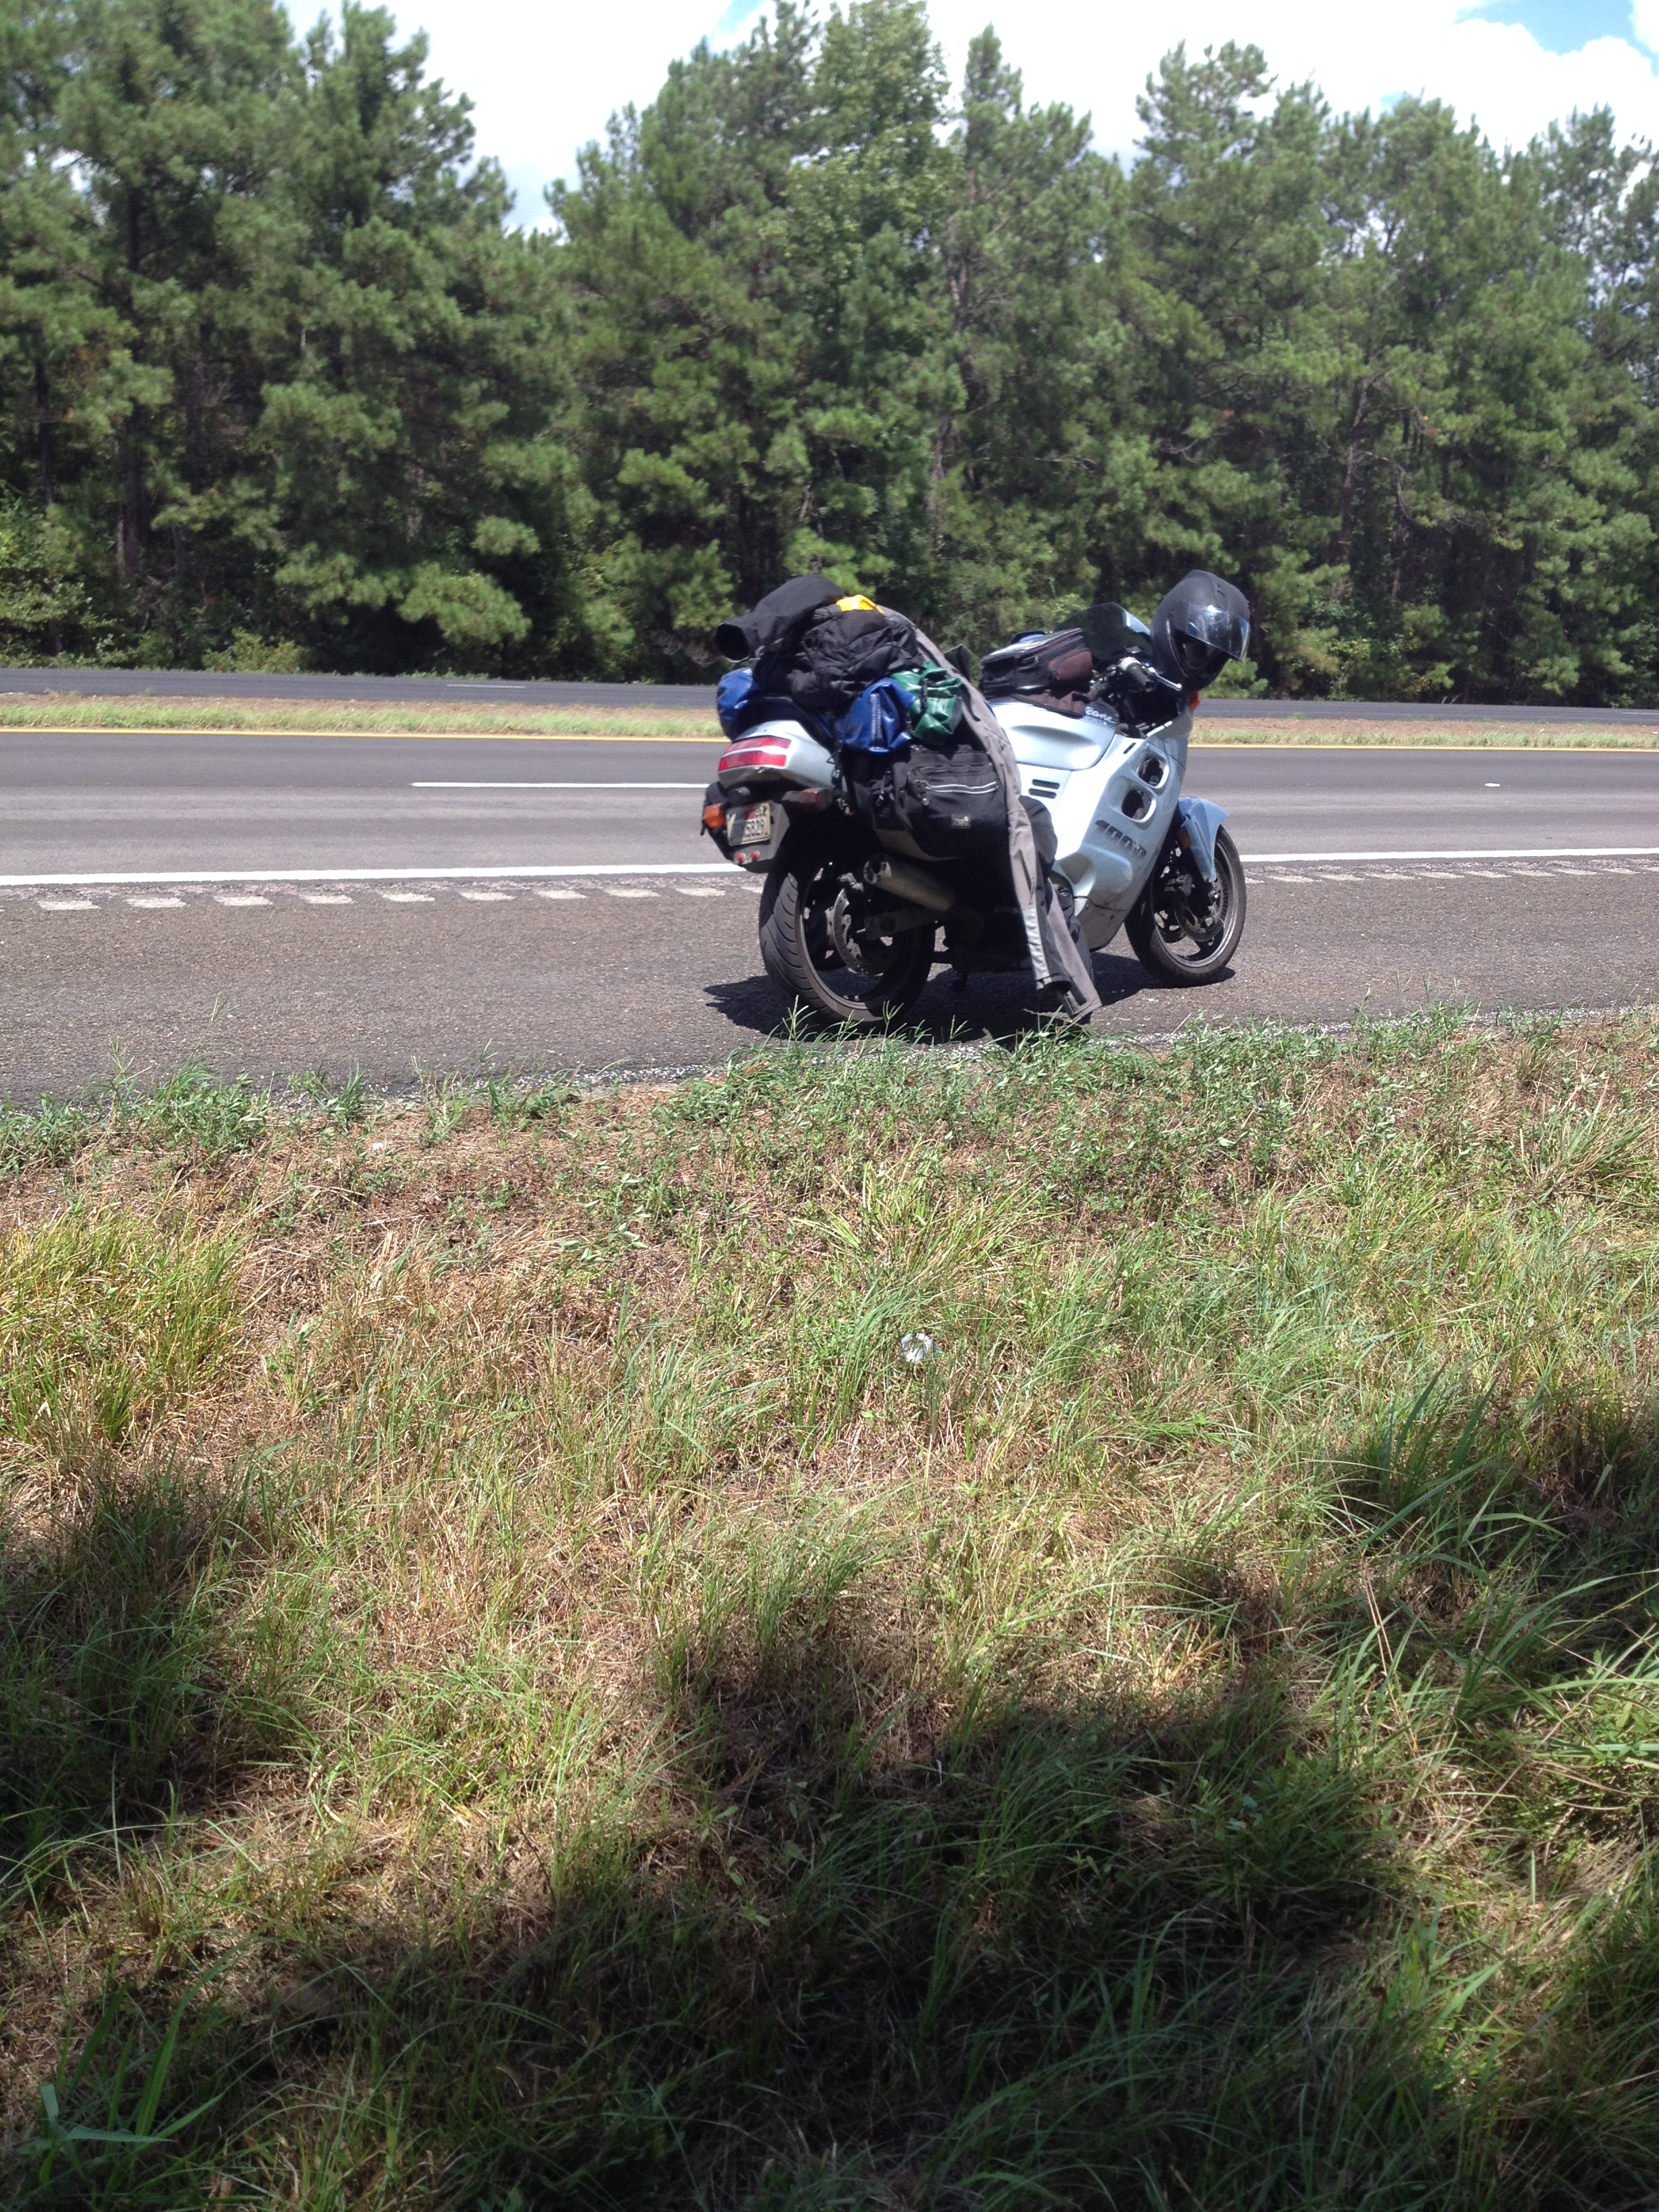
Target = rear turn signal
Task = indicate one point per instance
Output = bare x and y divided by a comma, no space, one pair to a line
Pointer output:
713,817
1194,699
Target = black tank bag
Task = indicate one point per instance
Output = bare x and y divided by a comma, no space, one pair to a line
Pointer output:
1055,672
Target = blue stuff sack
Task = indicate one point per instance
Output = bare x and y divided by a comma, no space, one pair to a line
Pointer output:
879,720
735,701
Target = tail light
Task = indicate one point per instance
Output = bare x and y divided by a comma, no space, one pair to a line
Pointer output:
751,753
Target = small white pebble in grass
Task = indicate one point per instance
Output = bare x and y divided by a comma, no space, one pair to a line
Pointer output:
408,898
561,895
917,1348
144,900
482,897
326,898
239,898
68,906
616,890
378,1147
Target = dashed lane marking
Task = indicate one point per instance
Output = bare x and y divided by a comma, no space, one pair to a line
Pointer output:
629,870
239,898
141,901
67,906
408,898
618,891
326,898
484,897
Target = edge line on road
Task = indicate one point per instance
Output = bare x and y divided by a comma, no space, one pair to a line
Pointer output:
714,738
1472,852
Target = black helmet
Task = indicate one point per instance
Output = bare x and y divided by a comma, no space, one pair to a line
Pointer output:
1198,628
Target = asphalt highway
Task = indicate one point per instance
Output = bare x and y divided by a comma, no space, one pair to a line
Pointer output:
407,904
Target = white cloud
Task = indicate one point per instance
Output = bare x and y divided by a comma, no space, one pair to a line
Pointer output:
545,79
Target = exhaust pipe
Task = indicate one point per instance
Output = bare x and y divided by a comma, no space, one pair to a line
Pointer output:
902,881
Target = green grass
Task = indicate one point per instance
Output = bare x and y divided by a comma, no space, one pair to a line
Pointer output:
62,710
540,1703
1300,723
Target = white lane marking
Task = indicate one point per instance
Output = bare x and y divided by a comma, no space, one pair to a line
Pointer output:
239,898
561,895
1290,880
484,896
451,784
141,901
325,898
616,890
1466,852
389,875
699,890
66,906
408,898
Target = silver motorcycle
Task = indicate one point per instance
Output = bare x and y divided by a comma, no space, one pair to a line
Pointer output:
856,912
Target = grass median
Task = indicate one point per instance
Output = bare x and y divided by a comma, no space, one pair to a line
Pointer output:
288,718
1064,1626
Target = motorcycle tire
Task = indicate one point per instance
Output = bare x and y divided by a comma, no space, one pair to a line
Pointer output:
805,968
1183,958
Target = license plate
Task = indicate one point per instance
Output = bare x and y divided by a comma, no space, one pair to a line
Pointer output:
750,825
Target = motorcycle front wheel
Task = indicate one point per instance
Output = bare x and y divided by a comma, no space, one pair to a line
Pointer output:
827,953
1186,940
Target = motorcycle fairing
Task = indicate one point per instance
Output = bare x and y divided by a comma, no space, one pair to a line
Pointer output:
1201,818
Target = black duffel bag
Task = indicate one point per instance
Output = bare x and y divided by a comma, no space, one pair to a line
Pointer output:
842,651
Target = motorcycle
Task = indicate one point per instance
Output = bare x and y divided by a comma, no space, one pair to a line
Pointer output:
1098,715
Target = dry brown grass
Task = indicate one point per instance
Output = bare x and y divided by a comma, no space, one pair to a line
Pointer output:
557,1624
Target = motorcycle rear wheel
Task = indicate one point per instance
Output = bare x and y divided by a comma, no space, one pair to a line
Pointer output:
809,974
1162,936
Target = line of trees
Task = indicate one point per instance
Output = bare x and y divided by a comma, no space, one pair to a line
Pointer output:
279,387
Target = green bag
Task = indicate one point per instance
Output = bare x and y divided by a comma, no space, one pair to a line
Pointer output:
933,696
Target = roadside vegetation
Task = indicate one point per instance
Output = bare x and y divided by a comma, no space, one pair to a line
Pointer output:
334,718
287,380
283,717
517,1691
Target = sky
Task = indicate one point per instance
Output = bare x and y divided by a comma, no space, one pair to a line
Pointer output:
544,78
